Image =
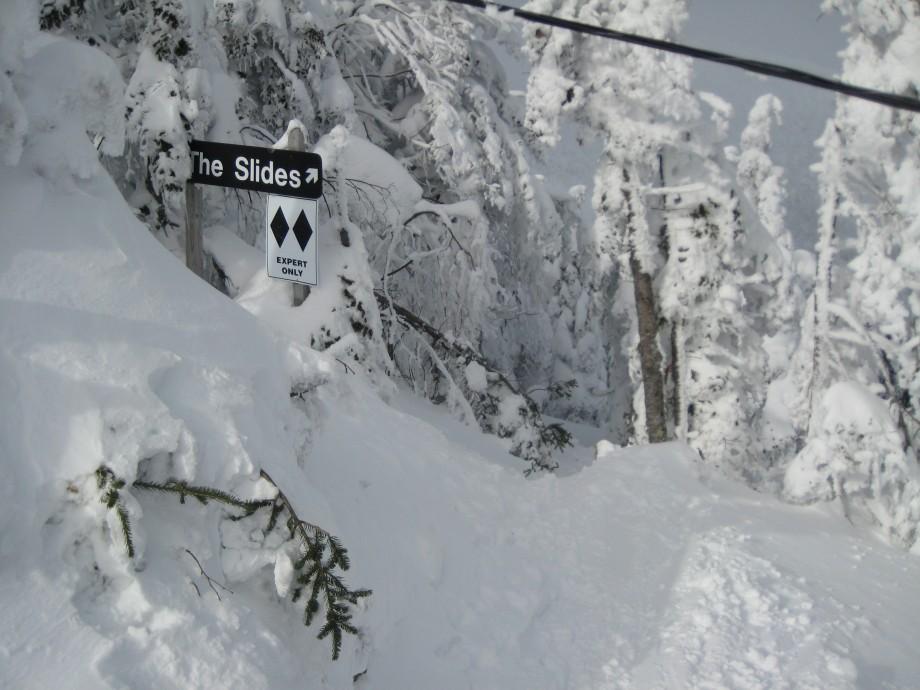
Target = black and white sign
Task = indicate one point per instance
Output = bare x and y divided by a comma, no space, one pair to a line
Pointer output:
275,171
290,239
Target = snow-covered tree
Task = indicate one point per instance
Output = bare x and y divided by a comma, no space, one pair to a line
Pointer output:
287,68
429,89
667,217
772,288
815,356
429,194
710,289
167,98
637,102
762,188
881,171
865,308
717,363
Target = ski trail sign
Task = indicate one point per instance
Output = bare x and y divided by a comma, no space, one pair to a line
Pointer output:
293,180
290,239
275,171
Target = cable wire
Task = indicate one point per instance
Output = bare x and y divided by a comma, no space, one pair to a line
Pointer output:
758,67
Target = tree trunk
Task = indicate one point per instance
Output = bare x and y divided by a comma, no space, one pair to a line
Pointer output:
820,365
300,291
647,320
194,255
649,355
674,367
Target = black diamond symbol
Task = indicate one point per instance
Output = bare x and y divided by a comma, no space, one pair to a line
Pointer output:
302,231
279,226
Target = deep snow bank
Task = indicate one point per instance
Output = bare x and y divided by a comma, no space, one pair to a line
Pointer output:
113,354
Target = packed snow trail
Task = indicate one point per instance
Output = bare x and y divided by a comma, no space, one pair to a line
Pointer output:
631,573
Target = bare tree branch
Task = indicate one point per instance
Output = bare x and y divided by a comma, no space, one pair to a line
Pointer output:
453,237
211,581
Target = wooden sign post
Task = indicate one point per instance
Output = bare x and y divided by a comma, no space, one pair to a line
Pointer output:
301,291
194,255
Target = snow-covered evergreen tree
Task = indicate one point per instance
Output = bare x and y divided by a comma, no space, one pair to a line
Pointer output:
881,171
815,357
771,286
865,307
710,287
430,90
762,188
637,102
708,278
167,99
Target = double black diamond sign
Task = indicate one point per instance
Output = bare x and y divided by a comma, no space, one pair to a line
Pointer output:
284,259
302,230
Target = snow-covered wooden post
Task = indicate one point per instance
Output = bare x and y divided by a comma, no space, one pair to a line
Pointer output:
295,142
194,255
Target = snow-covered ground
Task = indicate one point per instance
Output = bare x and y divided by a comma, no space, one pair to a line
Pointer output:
627,570
630,573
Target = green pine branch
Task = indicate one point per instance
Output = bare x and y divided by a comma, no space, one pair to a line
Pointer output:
110,485
125,528
556,436
318,569
322,555
204,494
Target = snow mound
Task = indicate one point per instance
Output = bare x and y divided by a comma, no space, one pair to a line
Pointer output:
855,457
113,355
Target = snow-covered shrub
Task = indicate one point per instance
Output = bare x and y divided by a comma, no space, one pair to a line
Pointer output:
449,371
855,456
306,557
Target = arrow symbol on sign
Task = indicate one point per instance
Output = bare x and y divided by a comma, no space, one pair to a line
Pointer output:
312,175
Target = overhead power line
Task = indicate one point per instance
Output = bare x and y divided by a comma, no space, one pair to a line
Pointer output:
767,68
